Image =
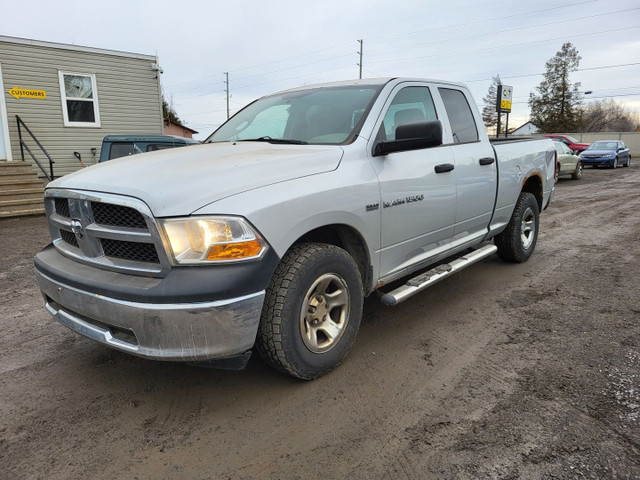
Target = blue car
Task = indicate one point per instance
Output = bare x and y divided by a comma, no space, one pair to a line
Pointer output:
609,153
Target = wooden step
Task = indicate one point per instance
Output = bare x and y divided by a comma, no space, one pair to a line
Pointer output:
11,206
15,167
22,212
16,183
35,193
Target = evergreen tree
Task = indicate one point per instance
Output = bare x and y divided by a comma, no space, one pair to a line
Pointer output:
556,105
489,114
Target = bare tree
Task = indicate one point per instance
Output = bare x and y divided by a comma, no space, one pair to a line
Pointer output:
608,116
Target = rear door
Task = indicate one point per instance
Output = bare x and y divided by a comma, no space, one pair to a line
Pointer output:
418,205
476,170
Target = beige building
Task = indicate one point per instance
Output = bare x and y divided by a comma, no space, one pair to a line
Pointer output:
70,97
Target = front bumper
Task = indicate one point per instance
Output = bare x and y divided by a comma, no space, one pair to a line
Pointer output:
602,161
170,331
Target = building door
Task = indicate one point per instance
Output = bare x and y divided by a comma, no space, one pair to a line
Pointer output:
5,152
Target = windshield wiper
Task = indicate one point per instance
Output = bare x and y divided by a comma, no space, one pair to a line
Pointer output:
275,140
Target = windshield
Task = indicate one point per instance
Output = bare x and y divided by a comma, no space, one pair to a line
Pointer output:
329,115
603,146
571,139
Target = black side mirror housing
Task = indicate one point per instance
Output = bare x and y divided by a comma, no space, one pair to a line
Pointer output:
412,136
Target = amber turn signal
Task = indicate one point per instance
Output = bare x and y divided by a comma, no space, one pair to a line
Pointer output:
234,251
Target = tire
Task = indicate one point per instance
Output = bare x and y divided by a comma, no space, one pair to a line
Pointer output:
577,174
615,163
628,162
301,333
517,242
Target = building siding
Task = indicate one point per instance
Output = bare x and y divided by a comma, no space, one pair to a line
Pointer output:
127,91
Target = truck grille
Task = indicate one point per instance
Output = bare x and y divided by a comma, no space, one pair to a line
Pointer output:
108,214
107,231
139,252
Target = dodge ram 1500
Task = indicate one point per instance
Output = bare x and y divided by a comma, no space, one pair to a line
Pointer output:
272,232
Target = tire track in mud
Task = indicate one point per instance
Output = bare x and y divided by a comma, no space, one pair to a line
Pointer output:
501,377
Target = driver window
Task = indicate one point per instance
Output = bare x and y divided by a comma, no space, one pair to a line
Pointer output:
411,104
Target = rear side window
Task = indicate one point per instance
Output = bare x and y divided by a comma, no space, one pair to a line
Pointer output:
463,124
121,149
152,147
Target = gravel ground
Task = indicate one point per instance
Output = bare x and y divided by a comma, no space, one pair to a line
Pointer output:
528,371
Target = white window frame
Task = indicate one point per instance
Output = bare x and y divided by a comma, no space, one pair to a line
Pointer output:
63,100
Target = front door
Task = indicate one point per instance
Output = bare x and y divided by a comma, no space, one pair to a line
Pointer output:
417,204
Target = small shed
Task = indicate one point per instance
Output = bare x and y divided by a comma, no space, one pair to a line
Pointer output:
58,101
173,128
526,129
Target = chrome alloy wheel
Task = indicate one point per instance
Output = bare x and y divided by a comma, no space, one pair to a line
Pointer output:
528,228
325,313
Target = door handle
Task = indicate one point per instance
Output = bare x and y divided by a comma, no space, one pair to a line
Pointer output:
487,161
445,167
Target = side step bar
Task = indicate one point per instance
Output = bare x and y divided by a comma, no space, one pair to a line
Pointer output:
433,276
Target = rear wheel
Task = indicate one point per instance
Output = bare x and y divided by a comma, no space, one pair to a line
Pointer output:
517,242
577,174
312,311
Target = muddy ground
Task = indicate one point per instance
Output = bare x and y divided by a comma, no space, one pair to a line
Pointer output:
503,371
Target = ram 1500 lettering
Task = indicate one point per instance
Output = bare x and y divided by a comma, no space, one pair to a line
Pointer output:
272,232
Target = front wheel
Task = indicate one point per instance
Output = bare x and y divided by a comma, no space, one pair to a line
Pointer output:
312,311
517,242
615,163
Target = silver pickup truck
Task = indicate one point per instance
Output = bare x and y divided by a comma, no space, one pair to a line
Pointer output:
272,232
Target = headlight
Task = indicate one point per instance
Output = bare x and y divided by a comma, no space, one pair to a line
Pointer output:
211,240
607,155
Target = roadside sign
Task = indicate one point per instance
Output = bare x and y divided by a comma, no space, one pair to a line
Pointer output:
27,93
504,98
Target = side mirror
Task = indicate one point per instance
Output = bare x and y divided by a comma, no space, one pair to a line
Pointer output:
412,136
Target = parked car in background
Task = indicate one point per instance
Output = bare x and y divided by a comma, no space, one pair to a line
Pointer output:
116,146
609,153
570,142
568,163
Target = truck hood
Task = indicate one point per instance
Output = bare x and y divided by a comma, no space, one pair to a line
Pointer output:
179,181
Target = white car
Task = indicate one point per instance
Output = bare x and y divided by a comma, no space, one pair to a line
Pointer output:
568,163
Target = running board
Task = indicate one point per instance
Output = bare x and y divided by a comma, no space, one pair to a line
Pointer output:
433,276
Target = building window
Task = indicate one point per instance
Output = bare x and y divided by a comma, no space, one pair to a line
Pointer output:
79,97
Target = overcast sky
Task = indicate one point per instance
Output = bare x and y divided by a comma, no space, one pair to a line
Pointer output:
267,46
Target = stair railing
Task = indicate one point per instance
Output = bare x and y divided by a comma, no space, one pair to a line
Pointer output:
24,146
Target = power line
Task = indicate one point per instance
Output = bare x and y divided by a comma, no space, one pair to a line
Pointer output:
380,36
600,32
457,25
496,32
603,67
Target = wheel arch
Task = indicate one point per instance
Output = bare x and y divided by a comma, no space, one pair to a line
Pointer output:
533,185
350,240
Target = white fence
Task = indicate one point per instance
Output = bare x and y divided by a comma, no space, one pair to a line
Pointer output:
631,139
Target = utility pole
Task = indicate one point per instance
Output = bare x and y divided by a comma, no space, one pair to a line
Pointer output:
226,82
360,53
